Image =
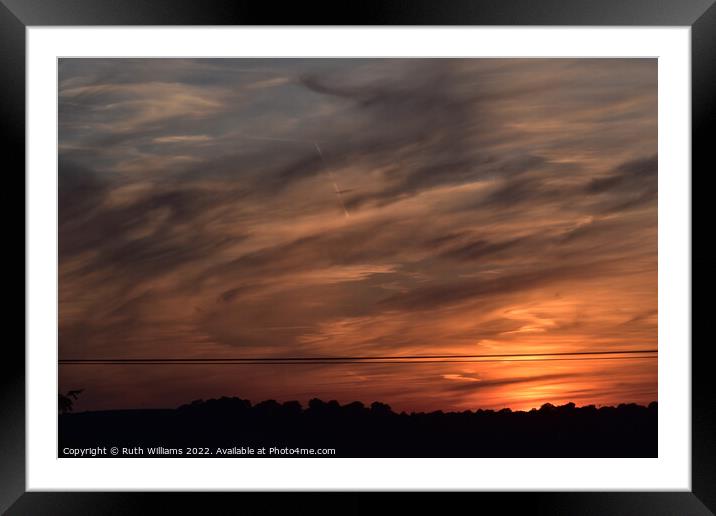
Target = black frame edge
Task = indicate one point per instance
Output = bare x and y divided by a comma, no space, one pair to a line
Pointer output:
534,503
366,12
15,15
703,124
12,379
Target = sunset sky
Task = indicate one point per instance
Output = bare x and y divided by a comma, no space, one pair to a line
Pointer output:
363,207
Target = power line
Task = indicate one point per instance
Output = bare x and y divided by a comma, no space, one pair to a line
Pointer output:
333,362
354,358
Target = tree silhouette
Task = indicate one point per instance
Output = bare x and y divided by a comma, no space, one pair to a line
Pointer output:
66,401
359,430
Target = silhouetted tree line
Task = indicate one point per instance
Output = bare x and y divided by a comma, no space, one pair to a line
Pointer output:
356,430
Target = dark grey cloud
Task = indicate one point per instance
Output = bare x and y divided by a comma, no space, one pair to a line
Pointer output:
630,185
635,174
481,248
472,386
450,293
80,191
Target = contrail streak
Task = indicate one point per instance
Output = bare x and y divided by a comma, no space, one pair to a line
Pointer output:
333,180
320,154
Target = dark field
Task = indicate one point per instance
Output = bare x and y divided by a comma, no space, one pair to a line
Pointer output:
355,430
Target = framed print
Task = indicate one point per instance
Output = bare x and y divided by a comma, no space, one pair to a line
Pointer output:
436,248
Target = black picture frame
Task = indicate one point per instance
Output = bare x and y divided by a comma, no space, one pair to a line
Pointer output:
17,15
